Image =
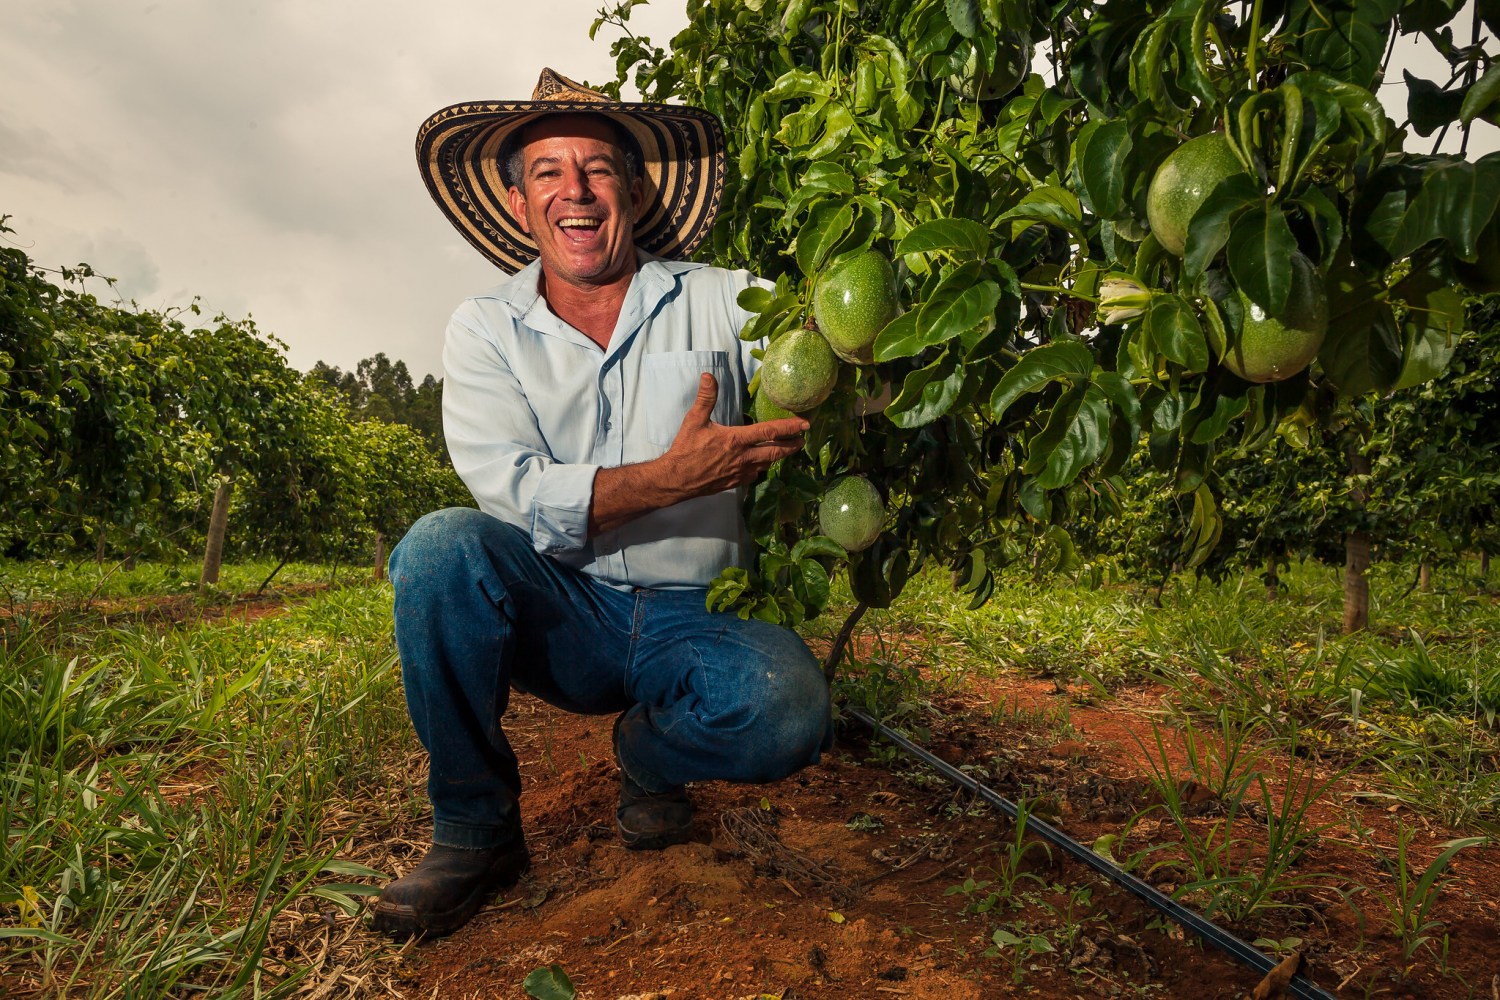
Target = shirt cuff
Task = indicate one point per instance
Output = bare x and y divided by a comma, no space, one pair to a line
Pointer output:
560,508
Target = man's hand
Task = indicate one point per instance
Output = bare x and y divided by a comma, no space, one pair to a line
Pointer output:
705,458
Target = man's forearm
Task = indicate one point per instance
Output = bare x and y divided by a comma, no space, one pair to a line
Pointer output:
625,492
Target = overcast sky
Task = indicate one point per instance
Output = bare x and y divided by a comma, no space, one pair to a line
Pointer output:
259,153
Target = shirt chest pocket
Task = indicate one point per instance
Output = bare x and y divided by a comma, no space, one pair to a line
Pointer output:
669,385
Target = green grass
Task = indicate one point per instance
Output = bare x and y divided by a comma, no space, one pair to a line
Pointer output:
59,581
172,797
1419,692
180,800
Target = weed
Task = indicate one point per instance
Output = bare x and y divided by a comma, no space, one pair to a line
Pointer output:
1408,905
1017,945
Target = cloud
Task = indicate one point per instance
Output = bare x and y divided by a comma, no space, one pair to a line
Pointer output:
260,155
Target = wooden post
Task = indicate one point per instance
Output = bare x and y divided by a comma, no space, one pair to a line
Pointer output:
1424,578
218,522
379,557
1273,579
1357,553
1484,564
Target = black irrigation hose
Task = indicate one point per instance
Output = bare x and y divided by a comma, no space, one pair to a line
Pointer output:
1246,953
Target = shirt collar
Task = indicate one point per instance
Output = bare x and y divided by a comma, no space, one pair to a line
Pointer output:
655,279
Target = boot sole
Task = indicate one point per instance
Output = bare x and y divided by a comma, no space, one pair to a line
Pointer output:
653,841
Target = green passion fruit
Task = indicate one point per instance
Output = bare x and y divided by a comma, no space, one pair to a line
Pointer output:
798,371
1272,348
763,409
974,84
852,513
1183,182
853,302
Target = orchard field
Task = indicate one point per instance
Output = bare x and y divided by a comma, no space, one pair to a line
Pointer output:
201,794
1151,367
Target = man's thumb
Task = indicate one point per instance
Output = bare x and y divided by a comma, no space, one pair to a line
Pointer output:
708,395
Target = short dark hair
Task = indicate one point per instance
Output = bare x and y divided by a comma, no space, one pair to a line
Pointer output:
512,150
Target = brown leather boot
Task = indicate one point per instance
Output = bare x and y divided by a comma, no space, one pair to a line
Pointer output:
447,888
650,821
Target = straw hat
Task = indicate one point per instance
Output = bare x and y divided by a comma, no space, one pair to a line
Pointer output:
460,150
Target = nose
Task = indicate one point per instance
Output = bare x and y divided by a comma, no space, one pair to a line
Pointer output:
576,185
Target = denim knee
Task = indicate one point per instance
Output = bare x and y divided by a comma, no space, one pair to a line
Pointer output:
446,548
437,539
792,718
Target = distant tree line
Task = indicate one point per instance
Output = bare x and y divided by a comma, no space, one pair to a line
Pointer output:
380,389
1413,475
119,425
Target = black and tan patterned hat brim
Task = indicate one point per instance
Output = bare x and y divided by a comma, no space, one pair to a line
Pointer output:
682,150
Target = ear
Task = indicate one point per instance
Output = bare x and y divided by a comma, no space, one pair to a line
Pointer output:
517,200
637,199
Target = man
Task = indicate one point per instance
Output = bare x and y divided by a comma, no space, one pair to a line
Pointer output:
592,405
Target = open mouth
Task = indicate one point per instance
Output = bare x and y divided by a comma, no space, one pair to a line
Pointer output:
580,229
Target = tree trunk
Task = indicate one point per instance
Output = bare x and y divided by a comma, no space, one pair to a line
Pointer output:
1484,564
213,551
1357,554
1424,578
379,557
99,549
1273,579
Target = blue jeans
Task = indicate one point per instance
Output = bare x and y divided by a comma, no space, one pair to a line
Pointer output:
478,611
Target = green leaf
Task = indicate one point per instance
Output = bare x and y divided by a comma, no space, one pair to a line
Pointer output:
1047,211
1224,411
1175,332
1327,222
825,227
796,83
813,588
755,299
817,545
965,235
927,393
1204,529
36,932
822,178
964,16
1429,106
899,338
1260,256
964,299
549,983
1210,226
1077,433
1432,322
1482,96
1362,351
1125,426
1069,360
1416,200
1103,159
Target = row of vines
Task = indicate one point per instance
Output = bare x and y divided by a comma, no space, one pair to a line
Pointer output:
1064,329
118,425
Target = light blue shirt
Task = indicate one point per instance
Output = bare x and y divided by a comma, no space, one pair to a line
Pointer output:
532,409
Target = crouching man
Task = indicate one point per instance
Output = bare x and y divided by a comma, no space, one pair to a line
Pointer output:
592,404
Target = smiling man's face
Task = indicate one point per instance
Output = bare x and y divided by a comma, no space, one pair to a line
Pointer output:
577,201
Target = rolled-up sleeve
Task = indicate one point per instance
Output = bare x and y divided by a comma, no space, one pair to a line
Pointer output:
499,451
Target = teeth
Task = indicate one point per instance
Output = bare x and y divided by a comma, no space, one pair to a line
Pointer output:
575,223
